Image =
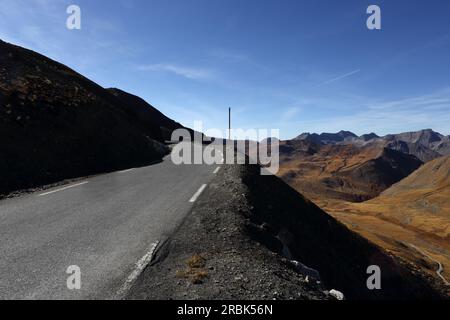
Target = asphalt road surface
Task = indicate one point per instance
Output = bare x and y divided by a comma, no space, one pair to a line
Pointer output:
107,226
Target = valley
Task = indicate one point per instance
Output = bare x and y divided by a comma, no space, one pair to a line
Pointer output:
387,195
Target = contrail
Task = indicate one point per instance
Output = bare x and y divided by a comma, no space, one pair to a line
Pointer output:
340,77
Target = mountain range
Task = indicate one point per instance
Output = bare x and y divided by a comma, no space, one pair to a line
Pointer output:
426,144
348,172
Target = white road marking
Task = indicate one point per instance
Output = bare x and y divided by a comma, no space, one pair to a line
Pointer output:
197,194
125,171
217,170
140,266
62,189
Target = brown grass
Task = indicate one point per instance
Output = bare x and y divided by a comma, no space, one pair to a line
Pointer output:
195,270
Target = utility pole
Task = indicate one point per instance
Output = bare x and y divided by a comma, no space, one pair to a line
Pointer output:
229,123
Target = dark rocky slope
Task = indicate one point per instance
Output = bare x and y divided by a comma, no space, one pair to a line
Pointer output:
55,124
159,126
321,242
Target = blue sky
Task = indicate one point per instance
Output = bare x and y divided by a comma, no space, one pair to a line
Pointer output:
297,66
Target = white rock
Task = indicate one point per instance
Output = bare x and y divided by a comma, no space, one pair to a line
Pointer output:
337,294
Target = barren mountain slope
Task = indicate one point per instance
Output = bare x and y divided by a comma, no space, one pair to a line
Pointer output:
343,172
148,116
55,124
415,211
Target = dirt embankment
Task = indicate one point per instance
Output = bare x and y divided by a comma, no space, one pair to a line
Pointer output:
254,237
213,256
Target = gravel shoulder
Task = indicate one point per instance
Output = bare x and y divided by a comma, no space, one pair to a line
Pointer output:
212,256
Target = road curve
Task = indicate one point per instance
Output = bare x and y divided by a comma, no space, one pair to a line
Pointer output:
440,269
107,226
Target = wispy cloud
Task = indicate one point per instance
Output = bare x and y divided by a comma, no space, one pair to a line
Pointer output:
340,77
434,101
408,114
186,72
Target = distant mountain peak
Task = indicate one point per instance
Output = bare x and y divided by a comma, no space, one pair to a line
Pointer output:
327,138
369,136
347,133
425,144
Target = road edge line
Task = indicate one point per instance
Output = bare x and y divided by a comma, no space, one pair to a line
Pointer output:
62,189
198,193
139,267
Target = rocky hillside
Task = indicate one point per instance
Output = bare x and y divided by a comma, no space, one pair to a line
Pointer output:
342,171
55,124
253,237
425,144
327,138
159,126
412,217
